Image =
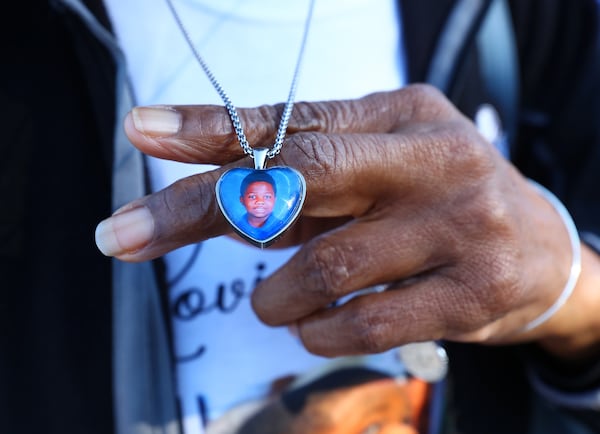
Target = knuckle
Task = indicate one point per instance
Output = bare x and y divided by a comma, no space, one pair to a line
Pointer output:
463,150
491,216
317,154
201,132
494,214
328,271
312,116
210,122
367,331
426,101
423,92
453,150
331,116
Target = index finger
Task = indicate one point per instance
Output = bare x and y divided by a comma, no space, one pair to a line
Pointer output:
204,133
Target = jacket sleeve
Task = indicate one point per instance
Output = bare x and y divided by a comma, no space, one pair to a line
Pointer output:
559,146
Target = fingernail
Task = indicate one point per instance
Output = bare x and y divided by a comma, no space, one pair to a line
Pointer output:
160,121
125,232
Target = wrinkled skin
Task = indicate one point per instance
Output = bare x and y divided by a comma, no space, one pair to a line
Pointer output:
402,191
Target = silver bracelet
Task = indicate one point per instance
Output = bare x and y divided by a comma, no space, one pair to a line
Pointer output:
575,263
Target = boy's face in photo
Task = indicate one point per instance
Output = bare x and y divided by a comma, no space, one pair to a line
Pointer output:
259,199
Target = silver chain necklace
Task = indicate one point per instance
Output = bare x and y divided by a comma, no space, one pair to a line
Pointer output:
235,119
260,204
425,360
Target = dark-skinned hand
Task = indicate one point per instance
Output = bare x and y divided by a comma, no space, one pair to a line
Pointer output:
402,190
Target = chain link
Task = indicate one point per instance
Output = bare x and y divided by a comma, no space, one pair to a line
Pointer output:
233,114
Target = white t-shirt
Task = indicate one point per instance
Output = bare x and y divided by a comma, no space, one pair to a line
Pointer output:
225,355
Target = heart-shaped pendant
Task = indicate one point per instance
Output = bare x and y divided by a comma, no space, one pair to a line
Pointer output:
261,204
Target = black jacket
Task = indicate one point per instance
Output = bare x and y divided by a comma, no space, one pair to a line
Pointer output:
58,119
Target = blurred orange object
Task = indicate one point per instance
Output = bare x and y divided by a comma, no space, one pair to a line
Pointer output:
385,406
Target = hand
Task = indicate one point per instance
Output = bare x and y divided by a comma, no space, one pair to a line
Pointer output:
402,191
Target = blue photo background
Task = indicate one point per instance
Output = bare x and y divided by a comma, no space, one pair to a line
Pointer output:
289,197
